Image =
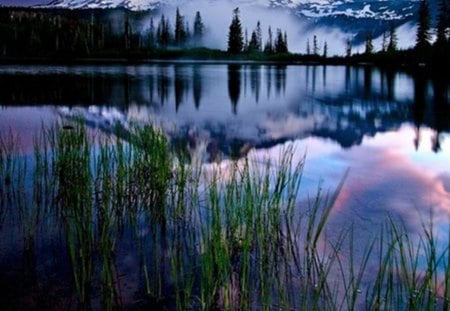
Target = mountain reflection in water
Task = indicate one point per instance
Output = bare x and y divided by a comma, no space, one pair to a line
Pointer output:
238,104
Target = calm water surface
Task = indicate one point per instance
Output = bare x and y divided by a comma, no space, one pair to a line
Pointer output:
391,130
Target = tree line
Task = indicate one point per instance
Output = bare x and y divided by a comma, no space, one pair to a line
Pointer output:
239,43
425,50
58,32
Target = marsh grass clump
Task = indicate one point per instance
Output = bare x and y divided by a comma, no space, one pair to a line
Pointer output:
228,236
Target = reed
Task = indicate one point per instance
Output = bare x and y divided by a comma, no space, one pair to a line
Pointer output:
229,236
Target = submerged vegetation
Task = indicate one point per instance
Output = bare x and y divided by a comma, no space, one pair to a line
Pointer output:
228,236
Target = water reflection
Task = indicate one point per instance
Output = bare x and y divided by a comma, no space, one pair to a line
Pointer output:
196,86
441,112
344,104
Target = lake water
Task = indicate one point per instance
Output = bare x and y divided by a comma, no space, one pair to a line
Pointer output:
390,130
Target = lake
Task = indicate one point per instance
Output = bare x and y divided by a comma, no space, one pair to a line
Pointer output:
388,132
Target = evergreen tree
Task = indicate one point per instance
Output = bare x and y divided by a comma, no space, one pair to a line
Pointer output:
369,44
198,28
348,48
253,43
163,32
235,40
151,35
392,47
308,48
325,49
258,33
180,31
127,33
280,44
246,43
268,48
315,46
285,42
443,25
423,27
384,43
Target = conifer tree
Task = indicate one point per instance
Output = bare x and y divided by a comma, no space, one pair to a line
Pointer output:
253,43
280,44
443,25
163,32
384,43
369,43
392,46
180,31
325,49
258,33
308,48
286,49
348,48
235,40
198,28
127,33
151,35
315,46
423,27
245,47
187,31
268,48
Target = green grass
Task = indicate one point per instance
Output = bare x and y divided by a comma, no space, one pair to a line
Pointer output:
229,237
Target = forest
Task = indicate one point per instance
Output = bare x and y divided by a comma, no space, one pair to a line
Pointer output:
98,34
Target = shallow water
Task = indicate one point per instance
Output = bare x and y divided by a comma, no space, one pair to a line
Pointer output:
390,130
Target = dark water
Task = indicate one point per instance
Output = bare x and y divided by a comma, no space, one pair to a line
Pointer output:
391,130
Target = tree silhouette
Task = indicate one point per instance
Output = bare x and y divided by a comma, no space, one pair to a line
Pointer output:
268,48
258,36
151,35
443,25
384,42
423,27
280,42
253,43
369,44
348,48
392,46
315,46
180,30
198,28
235,40
163,32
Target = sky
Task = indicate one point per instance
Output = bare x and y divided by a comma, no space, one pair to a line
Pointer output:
22,2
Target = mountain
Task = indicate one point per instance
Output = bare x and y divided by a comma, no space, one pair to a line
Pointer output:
378,9
351,18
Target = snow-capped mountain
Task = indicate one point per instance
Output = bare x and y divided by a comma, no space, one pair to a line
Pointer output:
106,4
378,9
334,20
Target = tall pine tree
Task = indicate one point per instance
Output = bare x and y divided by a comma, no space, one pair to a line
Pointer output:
369,43
180,31
198,29
235,39
280,42
423,27
268,48
392,46
443,25
315,46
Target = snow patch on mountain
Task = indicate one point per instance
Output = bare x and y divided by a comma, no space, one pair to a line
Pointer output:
307,8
